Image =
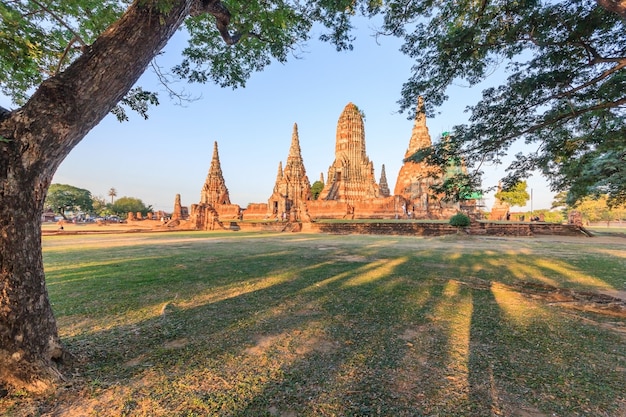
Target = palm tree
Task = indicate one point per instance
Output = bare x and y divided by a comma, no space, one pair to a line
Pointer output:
112,193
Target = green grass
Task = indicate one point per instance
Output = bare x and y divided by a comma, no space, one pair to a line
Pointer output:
256,324
607,231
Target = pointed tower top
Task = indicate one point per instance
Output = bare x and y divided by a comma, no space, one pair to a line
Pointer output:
420,138
215,161
294,149
214,190
279,175
382,184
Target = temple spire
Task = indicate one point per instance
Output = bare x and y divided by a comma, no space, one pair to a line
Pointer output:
383,185
292,186
279,176
294,167
351,176
216,167
214,190
420,138
294,149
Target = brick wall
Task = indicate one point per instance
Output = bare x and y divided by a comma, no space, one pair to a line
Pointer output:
422,229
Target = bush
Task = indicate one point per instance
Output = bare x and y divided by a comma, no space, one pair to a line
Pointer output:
459,220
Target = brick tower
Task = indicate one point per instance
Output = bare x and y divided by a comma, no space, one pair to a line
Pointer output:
351,176
292,186
214,190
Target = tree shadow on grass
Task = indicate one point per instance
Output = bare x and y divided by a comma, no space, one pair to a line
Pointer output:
345,335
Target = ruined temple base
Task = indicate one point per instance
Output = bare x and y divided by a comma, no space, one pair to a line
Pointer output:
421,228
487,228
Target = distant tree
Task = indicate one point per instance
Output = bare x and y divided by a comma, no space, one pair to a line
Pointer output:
63,197
316,189
597,210
112,193
548,215
125,205
560,200
100,206
514,195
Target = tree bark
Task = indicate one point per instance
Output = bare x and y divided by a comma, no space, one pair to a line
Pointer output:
34,140
616,6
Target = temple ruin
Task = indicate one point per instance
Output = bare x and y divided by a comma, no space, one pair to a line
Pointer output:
416,178
351,176
292,187
350,192
214,205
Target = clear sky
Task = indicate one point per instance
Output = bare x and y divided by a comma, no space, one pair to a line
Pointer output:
170,153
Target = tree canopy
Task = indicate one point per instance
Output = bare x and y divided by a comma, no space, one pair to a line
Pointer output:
125,205
63,197
39,39
564,99
316,189
514,195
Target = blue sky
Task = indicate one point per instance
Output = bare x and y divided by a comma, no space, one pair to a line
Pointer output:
170,153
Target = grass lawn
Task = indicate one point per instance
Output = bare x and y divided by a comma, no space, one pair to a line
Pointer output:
257,324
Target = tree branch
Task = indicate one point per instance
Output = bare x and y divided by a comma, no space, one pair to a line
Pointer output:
222,18
65,52
61,21
557,119
593,81
165,81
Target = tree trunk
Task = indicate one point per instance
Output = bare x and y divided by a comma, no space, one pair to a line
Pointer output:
34,140
615,6
28,334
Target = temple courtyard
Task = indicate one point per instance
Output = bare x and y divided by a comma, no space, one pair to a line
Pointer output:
299,324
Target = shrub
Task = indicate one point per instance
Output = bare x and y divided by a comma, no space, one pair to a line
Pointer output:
459,220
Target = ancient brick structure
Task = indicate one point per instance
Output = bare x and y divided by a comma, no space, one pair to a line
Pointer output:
214,203
382,184
499,210
256,211
350,190
214,190
177,214
292,187
416,178
351,176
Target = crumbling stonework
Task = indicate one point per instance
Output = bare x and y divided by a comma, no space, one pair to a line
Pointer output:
177,214
351,176
350,190
500,209
214,190
292,187
214,200
416,178
382,184
256,211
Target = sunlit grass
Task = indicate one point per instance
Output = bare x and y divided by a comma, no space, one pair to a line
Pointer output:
258,324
